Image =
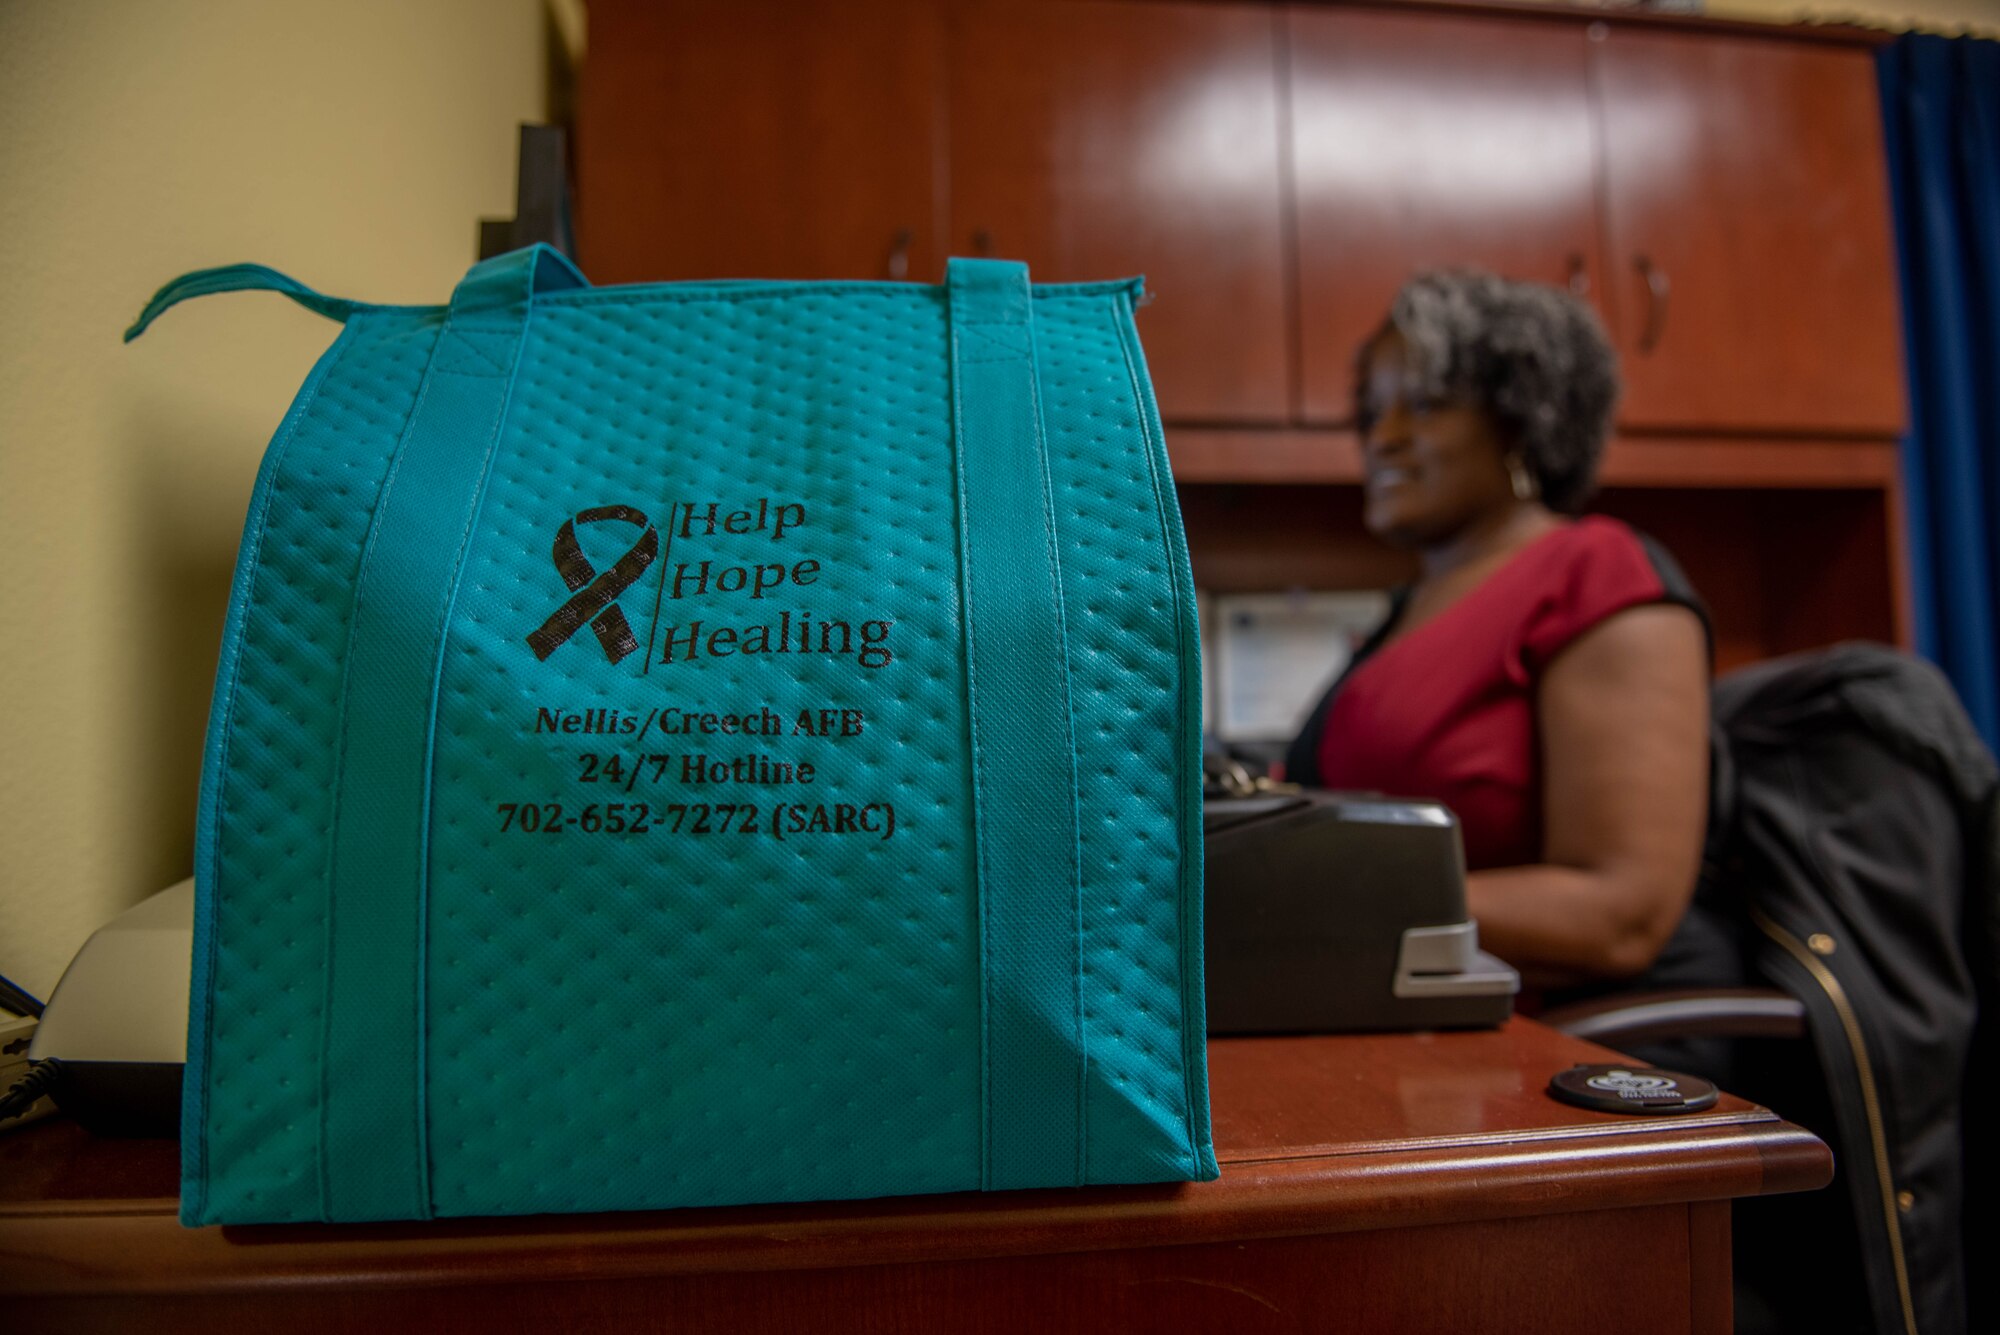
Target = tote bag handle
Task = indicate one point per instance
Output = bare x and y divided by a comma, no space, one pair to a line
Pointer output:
1023,750
372,1153
547,270
374,1158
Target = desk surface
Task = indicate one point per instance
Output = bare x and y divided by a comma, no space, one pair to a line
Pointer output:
1316,1136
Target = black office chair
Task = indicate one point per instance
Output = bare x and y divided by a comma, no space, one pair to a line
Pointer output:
1678,1014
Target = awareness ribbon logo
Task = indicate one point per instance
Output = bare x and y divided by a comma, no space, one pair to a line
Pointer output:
594,593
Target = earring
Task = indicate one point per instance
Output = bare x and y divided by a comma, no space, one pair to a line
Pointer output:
1521,479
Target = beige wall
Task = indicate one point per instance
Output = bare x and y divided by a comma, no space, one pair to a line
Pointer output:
1948,16
354,145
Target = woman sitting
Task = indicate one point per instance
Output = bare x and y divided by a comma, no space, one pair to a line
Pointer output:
1546,676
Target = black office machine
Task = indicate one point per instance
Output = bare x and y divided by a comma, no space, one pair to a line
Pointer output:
1328,912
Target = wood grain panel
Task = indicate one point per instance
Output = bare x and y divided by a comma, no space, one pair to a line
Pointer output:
1827,567
1714,1303
1555,1275
1309,454
760,139
1099,140
1421,140
1750,174
1781,569
1252,539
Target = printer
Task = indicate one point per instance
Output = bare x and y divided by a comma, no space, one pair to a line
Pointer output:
1341,912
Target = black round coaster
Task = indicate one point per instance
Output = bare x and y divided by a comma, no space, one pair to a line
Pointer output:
1632,1089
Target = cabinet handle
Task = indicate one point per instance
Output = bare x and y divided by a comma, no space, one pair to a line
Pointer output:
982,243
1658,289
899,253
1579,277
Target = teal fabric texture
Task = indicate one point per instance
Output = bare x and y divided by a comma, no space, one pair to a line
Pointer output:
703,743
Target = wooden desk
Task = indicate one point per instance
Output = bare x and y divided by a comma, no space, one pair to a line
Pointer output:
1408,1182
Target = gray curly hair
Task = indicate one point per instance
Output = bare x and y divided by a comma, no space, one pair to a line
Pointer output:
1533,356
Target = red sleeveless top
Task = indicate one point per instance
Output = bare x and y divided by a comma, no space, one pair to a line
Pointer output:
1447,712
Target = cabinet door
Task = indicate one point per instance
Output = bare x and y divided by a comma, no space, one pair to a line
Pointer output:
1421,140
1102,140
760,139
1747,204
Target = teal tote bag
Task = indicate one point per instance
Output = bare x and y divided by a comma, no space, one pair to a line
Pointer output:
690,744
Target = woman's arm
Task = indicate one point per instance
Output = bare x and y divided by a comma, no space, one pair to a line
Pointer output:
1624,730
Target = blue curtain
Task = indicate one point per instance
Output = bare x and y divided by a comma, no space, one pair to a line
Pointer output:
1941,115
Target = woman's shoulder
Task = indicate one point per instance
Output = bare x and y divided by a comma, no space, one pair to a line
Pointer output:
1598,535
1598,566
1603,545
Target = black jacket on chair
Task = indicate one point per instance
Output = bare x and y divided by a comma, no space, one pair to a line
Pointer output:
1853,863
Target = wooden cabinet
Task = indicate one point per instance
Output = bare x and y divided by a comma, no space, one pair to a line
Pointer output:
1738,182
1098,140
760,139
873,140
1746,210
1419,142
1276,171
